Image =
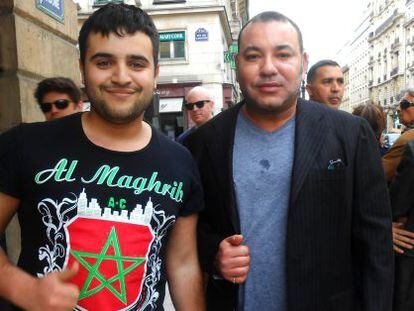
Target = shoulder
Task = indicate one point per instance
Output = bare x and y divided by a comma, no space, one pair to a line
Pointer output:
51,127
222,123
406,137
336,119
170,148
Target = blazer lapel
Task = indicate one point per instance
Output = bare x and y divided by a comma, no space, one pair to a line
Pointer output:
310,135
220,152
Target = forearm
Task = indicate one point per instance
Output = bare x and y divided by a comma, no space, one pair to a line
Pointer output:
186,288
16,285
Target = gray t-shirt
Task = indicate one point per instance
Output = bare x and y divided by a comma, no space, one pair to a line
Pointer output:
262,169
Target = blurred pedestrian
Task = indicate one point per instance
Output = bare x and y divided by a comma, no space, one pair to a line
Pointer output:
392,158
402,202
199,104
376,119
58,97
325,83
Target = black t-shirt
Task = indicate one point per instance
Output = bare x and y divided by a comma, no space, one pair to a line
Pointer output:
110,211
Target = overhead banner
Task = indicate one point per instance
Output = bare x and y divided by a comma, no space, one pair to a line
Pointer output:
172,36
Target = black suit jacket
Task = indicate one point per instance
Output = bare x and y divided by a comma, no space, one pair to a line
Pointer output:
339,244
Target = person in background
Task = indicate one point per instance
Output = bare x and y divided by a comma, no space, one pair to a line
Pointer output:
58,97
405,110
199,104
376,119
325,83
402,202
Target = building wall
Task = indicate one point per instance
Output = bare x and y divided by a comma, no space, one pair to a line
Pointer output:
31,44
358,67
409,43
388,54
346,105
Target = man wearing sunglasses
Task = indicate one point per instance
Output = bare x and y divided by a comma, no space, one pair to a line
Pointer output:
58,97
199,105
405,111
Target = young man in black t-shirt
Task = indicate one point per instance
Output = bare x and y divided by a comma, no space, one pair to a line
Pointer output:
107,205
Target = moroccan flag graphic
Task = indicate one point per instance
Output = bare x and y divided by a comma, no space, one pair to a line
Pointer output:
112,256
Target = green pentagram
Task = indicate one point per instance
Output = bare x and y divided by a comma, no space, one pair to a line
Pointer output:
94,270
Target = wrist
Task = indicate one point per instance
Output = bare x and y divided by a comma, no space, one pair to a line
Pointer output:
23,291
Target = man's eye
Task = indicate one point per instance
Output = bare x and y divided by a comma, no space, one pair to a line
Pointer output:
137,65
283,55
252,57
103,63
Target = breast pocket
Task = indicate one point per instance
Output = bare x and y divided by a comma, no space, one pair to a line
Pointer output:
329,175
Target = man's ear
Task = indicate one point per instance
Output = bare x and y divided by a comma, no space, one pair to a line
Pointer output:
237,60
305,61
309,89
82,71
156,74
79,106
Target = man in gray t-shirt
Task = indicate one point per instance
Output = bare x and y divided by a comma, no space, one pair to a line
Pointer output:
297,214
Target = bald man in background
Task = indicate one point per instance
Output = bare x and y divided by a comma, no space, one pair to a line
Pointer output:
199,104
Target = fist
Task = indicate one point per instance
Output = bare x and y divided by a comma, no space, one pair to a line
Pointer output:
233,259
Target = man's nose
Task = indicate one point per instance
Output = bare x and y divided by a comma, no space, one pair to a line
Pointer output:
54,109
269,66
335,87
121,75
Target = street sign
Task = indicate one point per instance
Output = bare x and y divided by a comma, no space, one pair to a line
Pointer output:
201,34
53,8
230,55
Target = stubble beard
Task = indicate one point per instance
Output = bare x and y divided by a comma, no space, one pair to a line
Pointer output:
270,109
104,110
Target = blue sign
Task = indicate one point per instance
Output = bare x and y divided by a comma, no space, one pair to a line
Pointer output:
201,34
53,8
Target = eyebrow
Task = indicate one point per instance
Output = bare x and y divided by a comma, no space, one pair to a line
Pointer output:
109,55
277,48
100,54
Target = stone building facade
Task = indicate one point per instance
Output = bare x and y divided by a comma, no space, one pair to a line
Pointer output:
380,57
32,44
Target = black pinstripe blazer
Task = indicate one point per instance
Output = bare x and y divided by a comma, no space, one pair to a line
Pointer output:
339,245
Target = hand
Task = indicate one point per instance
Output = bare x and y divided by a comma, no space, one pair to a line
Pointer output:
233,259
401,238
53,292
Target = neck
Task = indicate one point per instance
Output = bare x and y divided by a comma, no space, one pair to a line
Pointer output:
127,137
269,122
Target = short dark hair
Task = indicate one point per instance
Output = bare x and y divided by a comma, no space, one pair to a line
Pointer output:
120,19
374,115
59,85
310,77
272,16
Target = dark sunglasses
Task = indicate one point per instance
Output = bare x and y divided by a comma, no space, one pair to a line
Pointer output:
200,104
404,104
59,104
